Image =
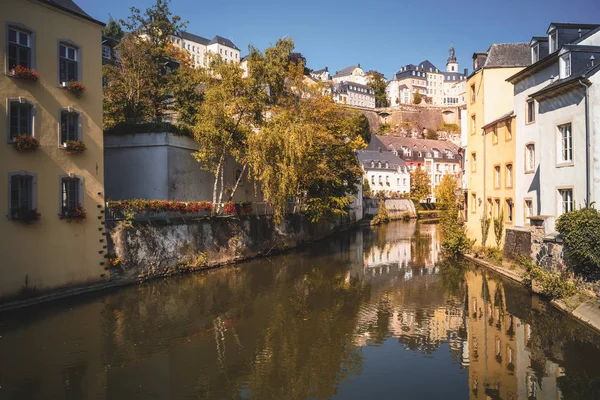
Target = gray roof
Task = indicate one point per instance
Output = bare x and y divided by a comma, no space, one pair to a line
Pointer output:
223,41
320,71
396,142
194,38
459,76
365,157
566,83
347,71
570,25
508,55
71,7
500,119
426,65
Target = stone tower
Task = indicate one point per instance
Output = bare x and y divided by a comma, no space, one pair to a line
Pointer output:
452,64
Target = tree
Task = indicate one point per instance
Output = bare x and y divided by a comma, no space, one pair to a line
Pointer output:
420,184
499,228
431,134
366,189
454,234
113,30
364,128
377,82
417,98
485,229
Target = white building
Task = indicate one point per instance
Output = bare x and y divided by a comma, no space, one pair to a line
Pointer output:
321,75
385,171
197,47
554,174
353,73
353,94
455,82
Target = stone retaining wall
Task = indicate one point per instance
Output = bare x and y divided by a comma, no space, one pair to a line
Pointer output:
397,208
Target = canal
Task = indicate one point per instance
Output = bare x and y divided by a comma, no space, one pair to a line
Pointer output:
372,313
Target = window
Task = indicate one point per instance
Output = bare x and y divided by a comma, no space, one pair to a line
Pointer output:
553,41
473,128
398,181
473,162
387,165
404,181
565,144
530,157
106,52
20,119
497,177
387,180
473,202
19,48
565,66
67,63
380,181
21,195
70,195
379,164
69,126
436,154
566,201
535,53
373,179
372,164
528,209
509,176
530,114
497,208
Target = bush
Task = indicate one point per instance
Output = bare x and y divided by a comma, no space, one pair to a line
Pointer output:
366,189
382,214
581,233
449,127
417,98
406,217
485,230
554,285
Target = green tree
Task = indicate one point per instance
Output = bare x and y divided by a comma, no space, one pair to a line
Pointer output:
499,228
377,82
420,184
364,128
113,30
581,233
454,234
366,189
417,98
485,229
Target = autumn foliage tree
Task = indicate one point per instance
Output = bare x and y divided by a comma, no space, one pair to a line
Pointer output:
420,184
377,82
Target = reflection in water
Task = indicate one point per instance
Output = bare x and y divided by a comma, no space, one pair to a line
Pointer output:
367,314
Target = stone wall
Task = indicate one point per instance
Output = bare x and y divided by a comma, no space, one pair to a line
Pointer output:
517,243
161,248
397,208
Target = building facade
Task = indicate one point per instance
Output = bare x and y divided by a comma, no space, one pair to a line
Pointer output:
46,191
197,47
437,157
321,75
553,100
353,73
353,94
405,83
490,138
385,171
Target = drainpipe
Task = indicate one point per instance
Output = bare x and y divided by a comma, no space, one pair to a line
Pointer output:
588,189
484,173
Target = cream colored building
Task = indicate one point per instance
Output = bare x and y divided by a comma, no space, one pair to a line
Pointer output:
197,47
353,73
43,246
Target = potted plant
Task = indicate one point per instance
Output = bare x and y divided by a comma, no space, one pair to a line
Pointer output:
23,143
74,87
71,213
22,72
74,146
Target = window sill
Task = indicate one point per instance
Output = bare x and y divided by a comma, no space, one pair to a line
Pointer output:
529,171
565,164
529,123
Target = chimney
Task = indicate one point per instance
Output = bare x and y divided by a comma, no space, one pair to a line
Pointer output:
466,71
359,65
579,32
380,150
592,59
326,69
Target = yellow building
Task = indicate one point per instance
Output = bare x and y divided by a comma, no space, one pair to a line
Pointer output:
49,49
490,153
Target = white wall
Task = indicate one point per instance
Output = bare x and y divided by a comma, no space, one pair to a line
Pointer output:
398,181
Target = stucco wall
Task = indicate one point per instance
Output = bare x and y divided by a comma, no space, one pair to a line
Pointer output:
52,252
396,208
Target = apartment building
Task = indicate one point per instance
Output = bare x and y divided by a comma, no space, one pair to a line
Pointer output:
353,73
353,94
557,144
491,136
385,171
51,163
198,46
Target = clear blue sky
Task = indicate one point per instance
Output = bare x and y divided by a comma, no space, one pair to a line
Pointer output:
378,34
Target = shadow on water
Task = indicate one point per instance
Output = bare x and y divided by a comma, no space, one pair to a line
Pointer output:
372,313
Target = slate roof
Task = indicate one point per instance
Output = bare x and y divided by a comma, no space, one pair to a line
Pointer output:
347,71
320,71
426,65
366,156
459,76
71,7
508,55
570,25
194,38
395,142
223,41
559,84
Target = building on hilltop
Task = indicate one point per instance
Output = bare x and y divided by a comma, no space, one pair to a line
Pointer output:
385,171
454,89
353,73
491,153
437,157
197,47
321,75
555,100
49,45
353,94
405,83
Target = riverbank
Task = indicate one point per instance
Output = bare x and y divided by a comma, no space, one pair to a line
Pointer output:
148,251
586,312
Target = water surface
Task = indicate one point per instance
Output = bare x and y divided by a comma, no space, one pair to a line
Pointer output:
366,314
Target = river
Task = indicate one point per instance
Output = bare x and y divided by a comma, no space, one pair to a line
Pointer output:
366,314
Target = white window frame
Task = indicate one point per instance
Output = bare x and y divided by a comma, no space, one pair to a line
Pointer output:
562,139
33,118
106,53
80,191
535,53
79,127
69,44
19,27
565,66
529,157
553,40
530,111
569,204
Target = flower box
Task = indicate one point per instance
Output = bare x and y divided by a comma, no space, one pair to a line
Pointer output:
25,215
76,213
74,87
21,72
74,146
25,143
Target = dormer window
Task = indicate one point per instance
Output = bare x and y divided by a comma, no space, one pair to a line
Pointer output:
379,164
535,53
372,164
387,165
553,39
565,66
